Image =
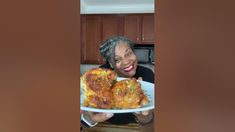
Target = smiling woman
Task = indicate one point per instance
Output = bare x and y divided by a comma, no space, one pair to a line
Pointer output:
119,54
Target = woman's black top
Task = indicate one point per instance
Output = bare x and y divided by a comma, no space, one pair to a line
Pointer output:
125,118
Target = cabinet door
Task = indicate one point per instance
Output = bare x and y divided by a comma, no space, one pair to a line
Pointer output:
148,29
91,39
112,25
132,27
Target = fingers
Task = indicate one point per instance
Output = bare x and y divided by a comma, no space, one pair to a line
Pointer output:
99,117
144,117
140,78
144,113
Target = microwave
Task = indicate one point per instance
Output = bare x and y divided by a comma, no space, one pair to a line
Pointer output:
145,54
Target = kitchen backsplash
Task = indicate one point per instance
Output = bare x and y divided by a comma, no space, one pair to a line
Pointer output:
85,67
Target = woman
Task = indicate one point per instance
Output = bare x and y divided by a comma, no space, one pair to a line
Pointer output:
120,57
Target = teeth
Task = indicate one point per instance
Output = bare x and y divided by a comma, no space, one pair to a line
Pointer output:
128,68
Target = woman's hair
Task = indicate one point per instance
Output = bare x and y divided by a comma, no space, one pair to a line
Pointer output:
107,48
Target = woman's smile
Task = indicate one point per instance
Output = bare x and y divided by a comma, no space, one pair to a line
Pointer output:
129,68
126,61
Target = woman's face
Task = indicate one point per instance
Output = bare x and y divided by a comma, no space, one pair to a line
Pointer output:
125,60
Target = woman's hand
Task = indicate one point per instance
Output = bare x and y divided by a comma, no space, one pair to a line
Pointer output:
144,117
97,117
140,78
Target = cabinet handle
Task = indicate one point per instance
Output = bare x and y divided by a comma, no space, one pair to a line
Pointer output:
137,39
143,38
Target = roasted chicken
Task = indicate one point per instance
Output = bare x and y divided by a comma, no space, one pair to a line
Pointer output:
97,84
128,94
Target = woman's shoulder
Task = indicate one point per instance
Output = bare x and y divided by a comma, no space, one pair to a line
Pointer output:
143,69
146,73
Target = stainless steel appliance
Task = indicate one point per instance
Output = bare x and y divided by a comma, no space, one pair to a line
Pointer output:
144,54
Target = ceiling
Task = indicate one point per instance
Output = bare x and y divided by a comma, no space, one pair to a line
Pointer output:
116,6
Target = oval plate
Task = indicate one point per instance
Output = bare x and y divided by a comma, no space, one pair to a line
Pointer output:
148,89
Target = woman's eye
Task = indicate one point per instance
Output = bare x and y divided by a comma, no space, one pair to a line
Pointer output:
117,61
129,54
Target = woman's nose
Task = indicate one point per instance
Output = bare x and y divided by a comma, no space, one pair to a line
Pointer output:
125,61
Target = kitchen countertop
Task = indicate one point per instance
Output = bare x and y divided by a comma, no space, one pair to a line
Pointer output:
107,127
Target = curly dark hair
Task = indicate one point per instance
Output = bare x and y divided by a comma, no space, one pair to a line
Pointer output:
107,48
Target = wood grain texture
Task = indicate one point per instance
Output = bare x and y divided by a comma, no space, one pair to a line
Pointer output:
194,65
39,53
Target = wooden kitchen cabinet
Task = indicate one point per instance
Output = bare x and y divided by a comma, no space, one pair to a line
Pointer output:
139,28
148,29
132,27
112,25
91,39
97,28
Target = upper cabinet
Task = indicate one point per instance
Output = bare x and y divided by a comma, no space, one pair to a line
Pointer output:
139,28
147,29
112,25
97,28
132,27
91,38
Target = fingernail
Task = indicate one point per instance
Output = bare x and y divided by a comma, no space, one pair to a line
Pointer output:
145,113
109,115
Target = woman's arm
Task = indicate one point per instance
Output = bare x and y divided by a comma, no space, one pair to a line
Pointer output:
144,118
148,127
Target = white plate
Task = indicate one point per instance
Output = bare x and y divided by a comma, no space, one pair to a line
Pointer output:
148,89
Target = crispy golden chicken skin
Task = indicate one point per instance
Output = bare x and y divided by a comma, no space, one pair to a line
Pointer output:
128,94
97,84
